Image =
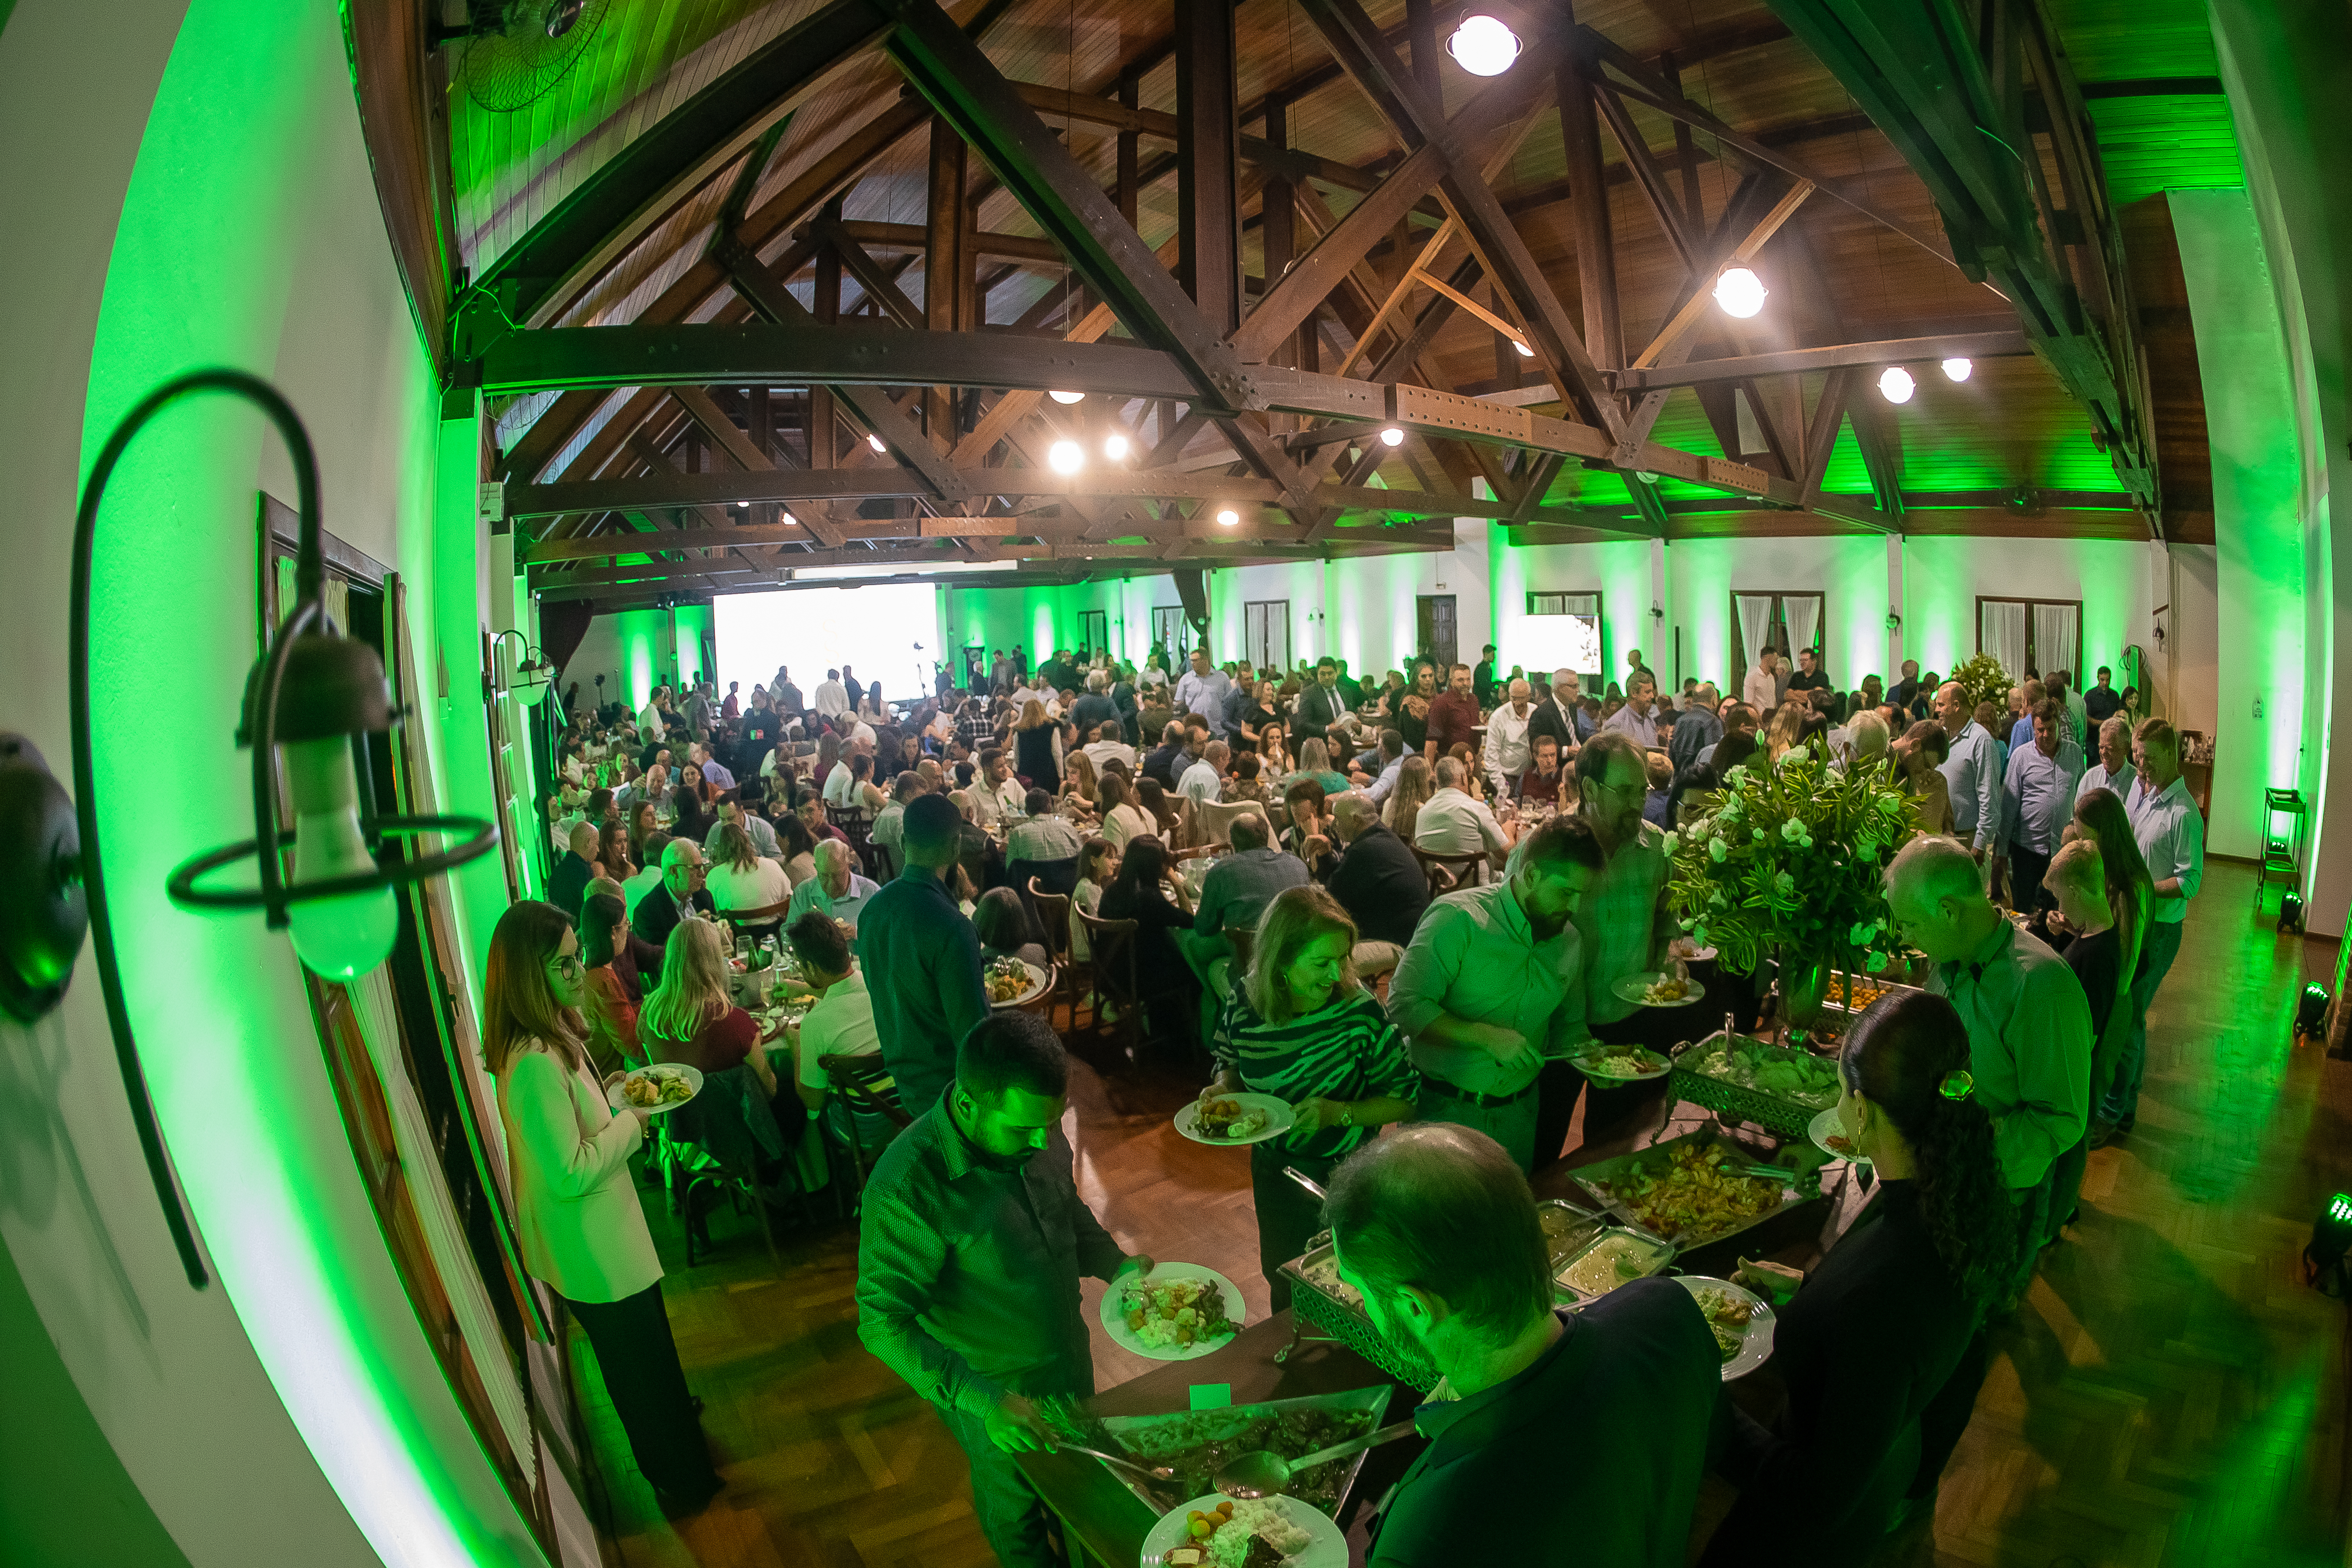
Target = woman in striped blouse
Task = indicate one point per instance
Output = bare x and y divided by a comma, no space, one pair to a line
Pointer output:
1303,1028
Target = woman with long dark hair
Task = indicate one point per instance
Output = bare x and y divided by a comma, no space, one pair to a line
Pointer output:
1881,1347
611,1004
1144,893
691,797
2100,819
1037,748
576,1213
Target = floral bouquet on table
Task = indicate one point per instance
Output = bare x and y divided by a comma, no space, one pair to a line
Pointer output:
1793,858
1985,681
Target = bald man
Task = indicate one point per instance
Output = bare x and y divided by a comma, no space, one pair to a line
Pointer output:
1972,770
837,889
570,879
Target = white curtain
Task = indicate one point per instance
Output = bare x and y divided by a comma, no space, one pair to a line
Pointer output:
1754,623
2000,631
1804,613
2057,629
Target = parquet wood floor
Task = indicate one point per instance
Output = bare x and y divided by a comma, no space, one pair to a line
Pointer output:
2170,1394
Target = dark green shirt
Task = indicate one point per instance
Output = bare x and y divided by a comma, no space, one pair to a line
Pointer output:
924,958
968,1275
1346,1050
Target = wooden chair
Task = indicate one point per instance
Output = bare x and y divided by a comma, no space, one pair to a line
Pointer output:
768,917
1113,946
885,862
1214,821
857,827
1448,872
863,1083
1054,919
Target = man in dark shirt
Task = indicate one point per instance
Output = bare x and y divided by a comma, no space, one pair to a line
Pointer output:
912,932
2077,879
571,874
1168,759
1378,882
1904,692
1319,704
1555,715
788,698
1482,679
854,687
2103,702
680,891
1452,714
1513,1470
1699,727
1096,708
972,1241
1809,676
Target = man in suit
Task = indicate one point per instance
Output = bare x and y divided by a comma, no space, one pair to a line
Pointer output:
680,894
570,878
1320,704
1552,716
1378,882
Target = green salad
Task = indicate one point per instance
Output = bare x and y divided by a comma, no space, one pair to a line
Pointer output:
1789,1075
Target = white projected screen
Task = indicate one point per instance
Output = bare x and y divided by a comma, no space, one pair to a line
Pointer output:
873,629
1538,642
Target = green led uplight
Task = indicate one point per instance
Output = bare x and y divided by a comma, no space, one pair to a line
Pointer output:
2339,1208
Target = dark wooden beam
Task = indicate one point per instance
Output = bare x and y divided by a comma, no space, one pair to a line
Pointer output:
1208,130
2000,344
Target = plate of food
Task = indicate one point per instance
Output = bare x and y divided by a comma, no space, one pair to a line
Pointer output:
1176,1312
1741,1320
1236,1118
1621,1064
1219,1532
665,1086
1658,989
1014,982
1830,1139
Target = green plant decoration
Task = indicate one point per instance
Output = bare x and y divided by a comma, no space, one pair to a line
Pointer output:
1984,680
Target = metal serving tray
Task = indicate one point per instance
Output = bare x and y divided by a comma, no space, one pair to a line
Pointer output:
1152,1438
1788,1118
1661,1253
1599,1180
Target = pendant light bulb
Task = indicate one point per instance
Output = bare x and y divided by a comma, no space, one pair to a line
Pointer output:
1115,447
1896,385
1483,45
345,937
1392,436
1066,456
1740,292
1521,346
1227,517
1066,398
877,443
1958,369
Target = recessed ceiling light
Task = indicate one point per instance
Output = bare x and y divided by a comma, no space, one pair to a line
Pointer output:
1740,292
1068,397
876,442
1956,369
1392,436
1227,517
1115,447
1483,45
1066,456
1896,385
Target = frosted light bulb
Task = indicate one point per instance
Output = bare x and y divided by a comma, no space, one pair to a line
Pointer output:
1115,447
1483,45
1958,369
1066,398
1895,384
1227,517
1740,292
1066,456
1392,436
876,442
349,935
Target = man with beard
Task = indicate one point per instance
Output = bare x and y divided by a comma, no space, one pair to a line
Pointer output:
970,1251
1436,1227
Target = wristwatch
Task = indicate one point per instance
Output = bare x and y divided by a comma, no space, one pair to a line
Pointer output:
1347,1113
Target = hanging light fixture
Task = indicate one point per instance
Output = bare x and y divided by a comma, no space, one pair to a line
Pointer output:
877,443
1896,385
1740,292
530,677
1958,369
1227,517
1115,446
1483,45
1521,346
1392,436
1066,456
311,703
1066,398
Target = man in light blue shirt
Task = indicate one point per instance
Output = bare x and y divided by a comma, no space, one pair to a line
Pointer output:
1392,754
837,889
1972,771
2038,801
2114,769
1203,691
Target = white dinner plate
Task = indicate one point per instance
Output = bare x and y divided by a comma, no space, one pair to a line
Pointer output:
1278,1118
1819,1131
1114,1314
1038,981
1583,1062
1756,1347
1635,988
614,1098
1325,1546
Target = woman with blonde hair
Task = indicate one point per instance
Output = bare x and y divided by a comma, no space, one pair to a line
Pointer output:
1786,731
577,1218
689,1017
1079,785
1918,762
741,878
1037,748
1122,818
1303,1028
1416,782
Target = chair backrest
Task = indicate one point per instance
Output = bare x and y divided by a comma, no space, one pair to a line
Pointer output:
1112,943
1448,872
1054,918
720,1121
885,861
765,915
1244,942
1215,820
861,1082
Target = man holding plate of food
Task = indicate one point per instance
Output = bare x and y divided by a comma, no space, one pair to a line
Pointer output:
970,1248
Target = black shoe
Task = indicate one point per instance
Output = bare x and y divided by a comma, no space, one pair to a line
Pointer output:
685,1506
1911,1511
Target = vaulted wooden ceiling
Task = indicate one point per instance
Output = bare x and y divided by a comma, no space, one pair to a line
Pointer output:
805,169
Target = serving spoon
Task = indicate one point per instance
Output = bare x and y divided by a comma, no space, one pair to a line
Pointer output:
1149,1472
1261,1474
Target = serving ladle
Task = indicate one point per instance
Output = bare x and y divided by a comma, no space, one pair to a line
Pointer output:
1149,1472
1261,1474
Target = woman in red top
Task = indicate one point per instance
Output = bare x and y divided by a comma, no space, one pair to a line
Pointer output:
688,1018
611,1002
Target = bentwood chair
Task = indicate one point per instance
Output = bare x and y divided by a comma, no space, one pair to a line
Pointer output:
1054,921
858,829
864,1088
1448,872
1112,943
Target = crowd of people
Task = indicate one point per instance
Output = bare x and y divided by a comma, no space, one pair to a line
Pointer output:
1398,906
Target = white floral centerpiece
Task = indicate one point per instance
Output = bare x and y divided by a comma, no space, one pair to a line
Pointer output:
1985,679
1791,858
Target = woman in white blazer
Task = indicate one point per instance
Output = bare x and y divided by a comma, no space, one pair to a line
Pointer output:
577,1217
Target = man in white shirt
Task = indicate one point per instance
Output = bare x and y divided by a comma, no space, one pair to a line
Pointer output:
1762,689
1204,691
1638,719
2037,802
831,697
836,889
2171,834
890,821
1009,795
1508,750
1451,823
1972,774
2114,769
840,784
1110,746
981,793
1203,782
842,1022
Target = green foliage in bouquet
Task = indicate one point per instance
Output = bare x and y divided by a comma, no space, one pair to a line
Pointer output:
1793,858
1984,680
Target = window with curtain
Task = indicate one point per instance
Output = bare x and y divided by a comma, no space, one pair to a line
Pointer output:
2032,636
1265,633
1783,621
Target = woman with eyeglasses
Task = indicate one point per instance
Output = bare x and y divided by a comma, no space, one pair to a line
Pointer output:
576,1214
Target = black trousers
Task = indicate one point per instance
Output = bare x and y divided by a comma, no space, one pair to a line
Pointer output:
2026,870
1287,1214
639,1361
1608,1110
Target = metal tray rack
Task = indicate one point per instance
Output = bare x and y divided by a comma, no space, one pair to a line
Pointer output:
1152,1438
1343,1320
1788,1118
1600,1178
